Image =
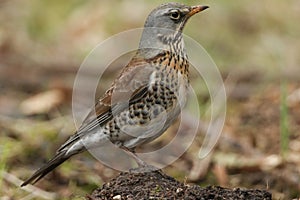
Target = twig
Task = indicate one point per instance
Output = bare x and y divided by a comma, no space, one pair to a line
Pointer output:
29,188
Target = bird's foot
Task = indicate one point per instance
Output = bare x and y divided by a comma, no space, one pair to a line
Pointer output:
144,168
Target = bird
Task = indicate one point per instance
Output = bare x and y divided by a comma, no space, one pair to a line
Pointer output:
145,98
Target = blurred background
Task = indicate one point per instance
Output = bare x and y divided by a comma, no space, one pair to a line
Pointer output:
255,45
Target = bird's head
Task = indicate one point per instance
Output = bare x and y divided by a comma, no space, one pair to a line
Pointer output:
172,16
165,23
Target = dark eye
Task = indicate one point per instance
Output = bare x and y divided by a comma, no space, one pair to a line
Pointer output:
174,14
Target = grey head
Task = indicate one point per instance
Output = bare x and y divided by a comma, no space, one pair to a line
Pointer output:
164,26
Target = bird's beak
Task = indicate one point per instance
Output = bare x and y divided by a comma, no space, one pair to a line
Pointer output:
196,9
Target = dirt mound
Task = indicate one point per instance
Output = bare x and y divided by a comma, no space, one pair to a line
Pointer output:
157,185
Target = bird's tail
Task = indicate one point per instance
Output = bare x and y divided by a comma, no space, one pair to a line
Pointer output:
58,159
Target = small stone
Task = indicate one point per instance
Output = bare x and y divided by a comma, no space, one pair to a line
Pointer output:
117,197
179,190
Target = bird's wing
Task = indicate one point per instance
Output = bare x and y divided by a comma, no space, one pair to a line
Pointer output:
128,88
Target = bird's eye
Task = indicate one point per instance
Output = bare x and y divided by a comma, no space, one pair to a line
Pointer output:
175,14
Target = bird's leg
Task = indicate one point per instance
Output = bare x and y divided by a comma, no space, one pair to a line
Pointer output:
131,152
142,165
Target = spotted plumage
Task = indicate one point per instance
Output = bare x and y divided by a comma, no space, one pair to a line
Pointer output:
147,96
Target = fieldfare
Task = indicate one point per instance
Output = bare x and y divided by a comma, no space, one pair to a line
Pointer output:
146,97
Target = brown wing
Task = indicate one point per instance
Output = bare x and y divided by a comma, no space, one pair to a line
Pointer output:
130,86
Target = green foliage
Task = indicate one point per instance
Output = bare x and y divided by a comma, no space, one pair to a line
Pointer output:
284,125
4,152
47,17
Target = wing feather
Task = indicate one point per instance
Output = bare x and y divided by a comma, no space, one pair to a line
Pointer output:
121,94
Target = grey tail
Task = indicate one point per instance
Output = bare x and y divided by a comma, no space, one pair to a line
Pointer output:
58,159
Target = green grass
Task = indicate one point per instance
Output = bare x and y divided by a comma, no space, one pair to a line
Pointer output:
3,159
284,126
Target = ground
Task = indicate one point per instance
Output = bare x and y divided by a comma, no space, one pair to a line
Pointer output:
158,185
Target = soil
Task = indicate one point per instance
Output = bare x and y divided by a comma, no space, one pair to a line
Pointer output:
157,185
